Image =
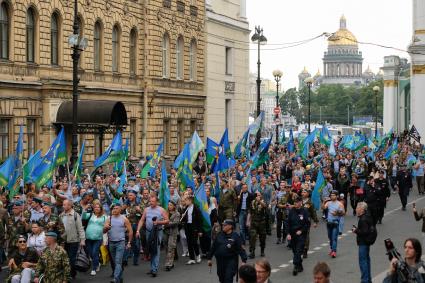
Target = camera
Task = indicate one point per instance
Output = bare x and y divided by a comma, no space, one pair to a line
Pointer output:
401,267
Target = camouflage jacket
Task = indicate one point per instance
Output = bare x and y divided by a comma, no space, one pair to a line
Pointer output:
258,212
307,204
132,214
53,224
54,265
18,227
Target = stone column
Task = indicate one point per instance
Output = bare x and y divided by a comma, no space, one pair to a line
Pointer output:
391,113
417,79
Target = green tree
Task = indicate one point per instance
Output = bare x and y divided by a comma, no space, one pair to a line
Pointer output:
289,103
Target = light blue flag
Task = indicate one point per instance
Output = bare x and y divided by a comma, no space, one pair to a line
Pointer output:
164,191
332,151
6,170
155,160
113,153
15,181
291,143
195,146
31,164
317,191
123,180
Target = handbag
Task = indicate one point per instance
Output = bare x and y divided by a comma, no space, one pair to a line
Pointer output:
82,263
104,254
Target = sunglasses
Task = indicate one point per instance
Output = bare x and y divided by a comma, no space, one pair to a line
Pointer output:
22,242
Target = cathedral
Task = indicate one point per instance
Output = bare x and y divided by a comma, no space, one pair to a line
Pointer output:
342,62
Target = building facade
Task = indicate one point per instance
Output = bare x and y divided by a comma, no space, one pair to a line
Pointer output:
147,55
417,55
227,69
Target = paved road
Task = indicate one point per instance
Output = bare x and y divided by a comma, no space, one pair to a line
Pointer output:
397,224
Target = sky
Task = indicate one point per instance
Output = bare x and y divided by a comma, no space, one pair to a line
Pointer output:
385,22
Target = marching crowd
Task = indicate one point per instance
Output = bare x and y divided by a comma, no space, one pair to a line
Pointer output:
44,231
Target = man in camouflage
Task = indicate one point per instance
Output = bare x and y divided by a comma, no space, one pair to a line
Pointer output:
134,213
228,202
53,265
52,223
258,213
17,224
308,204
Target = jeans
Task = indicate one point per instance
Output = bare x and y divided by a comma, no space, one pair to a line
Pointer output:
364,263
25,276
155,258
341,225
242,224
72,250
333,235
93,248
117,252
134,251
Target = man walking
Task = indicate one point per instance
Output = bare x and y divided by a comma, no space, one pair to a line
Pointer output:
298,226
226,248
366,234
404,184
75,236
335,212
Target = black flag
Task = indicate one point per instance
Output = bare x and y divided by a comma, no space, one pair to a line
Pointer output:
413,133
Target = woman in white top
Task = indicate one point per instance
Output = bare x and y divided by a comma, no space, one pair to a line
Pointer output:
36,239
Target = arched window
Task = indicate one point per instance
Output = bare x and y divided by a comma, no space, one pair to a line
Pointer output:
132,51
180,57
54,39
115,48
30,36
4,31
192,60
97,45
166,56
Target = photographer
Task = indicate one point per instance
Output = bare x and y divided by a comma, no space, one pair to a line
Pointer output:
412,266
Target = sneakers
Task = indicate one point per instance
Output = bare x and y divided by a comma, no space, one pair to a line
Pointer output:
198,259
190,262
98,268
333,254
185,254
93,273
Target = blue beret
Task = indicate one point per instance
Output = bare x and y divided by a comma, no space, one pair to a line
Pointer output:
18,203
51,234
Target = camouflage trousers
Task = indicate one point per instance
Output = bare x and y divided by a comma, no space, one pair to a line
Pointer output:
257,228
307,241
224,214
170,242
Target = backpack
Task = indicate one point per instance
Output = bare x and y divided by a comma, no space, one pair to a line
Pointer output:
82,263
371,237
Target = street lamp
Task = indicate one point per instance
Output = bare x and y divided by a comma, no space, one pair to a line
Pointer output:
309,82
260,39
77,44
376,91
277,74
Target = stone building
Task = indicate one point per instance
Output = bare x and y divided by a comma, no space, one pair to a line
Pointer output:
227,69
143,72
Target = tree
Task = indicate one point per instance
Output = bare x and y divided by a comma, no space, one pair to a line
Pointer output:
289,103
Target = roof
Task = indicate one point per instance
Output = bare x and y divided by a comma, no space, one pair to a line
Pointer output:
95,113
343,36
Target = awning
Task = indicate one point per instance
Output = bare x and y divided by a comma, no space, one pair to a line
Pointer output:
93,114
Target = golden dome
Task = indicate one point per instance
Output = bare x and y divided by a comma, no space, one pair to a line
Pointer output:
305,72
343,36
318,74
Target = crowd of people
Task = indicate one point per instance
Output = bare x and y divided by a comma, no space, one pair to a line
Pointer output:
43,230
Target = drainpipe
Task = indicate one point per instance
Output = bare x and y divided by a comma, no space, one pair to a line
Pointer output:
145,82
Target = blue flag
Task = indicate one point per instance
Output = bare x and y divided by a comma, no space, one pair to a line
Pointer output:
317,191
14,182
201,201
6,170
164,190
224,142
291,143
113,153
332,151
31,164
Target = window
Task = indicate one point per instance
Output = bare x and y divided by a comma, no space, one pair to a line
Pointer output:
97,45
132,51
133,142
30,39
54,39
115,48
192,60
229,61
4,31
180,135
31,145
227,113
166,56
4,139
192,126
179,57
166,137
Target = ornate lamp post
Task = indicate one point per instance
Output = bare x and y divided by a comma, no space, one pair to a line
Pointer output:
309,82
260,39
277,74
77,44
376,91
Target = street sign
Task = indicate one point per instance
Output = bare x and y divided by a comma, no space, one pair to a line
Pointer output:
276,110
277,121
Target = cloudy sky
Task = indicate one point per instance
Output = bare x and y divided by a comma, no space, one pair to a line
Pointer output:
384,22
